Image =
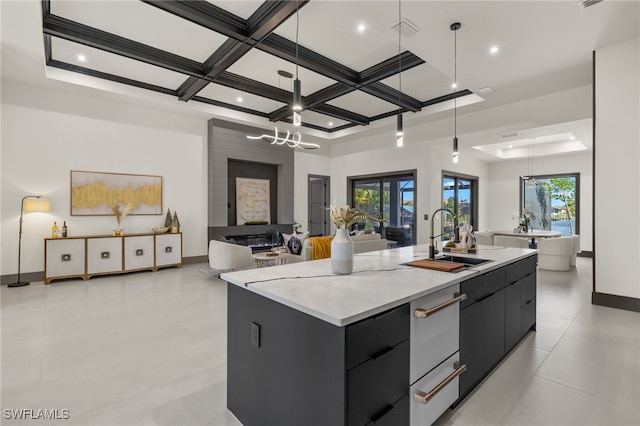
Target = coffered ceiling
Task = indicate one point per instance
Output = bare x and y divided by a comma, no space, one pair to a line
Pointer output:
223,57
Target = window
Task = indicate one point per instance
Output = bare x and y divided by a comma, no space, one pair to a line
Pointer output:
554,200
459,194
390,196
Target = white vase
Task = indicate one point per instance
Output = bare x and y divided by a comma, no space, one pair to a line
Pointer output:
342,253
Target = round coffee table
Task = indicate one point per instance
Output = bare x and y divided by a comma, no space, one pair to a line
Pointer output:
262,259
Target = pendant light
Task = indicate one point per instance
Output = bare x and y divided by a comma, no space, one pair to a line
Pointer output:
297,86
399,129
531,179
455,27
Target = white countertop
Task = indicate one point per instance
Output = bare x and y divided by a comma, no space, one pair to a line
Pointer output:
379,281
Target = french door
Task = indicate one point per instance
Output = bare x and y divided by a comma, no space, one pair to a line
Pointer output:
459,194
390,197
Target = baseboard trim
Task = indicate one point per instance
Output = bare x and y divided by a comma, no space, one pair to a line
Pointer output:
25,276
195,259
615,301
585,253
39,276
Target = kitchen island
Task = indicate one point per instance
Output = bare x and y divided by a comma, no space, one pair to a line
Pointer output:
389,343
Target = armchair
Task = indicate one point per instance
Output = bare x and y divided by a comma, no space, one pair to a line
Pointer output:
554,253
228,257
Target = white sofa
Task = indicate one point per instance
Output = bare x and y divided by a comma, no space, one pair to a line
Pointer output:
361,244
229,257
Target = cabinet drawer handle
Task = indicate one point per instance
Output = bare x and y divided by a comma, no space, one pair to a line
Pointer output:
423,397
382,413
382,353
486,297
423,313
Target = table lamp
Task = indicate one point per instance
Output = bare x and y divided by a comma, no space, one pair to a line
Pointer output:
30,203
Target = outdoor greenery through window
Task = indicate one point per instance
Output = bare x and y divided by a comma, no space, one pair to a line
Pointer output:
390,197
554,201
459,194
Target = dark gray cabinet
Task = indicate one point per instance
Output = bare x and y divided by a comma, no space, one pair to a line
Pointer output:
482,323
285,367
499,311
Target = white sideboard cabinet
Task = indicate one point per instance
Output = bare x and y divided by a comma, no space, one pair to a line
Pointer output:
85,256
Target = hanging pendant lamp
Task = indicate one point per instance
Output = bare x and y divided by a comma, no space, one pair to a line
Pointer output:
297,85
399,129
455,27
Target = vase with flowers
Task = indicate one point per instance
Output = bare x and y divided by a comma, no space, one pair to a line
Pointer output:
525,220
118,231
342,244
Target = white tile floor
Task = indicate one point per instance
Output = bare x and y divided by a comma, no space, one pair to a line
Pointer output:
150,349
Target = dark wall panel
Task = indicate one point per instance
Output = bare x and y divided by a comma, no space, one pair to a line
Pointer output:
253,170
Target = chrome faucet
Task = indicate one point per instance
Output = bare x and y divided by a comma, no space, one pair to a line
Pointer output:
432,248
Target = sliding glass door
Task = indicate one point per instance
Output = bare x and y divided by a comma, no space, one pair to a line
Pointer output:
459,195
391,197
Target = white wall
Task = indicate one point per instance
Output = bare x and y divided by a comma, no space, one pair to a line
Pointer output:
504,192
617,174
47,133
427,157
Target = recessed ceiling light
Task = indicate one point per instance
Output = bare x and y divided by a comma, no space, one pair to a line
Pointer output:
572,137
510,146
239,99
493,50
361,28
454,85
331,123
81,58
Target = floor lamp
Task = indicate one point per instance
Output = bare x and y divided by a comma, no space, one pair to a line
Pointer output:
30,203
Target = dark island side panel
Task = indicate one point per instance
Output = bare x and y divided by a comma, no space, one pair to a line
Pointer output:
296,376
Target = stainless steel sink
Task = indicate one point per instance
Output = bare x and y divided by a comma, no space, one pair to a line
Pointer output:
467,261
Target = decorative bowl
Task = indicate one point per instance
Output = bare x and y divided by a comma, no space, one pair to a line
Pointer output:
160,230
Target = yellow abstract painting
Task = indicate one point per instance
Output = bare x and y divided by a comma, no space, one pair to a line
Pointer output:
95,193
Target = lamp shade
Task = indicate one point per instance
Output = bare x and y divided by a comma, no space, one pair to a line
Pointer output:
37,205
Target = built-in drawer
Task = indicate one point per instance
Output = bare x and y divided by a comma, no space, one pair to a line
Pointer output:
527,316
528,288
520,269
482,286
377,383
138,252
64,258
168,249
435,330
372,336
393,415
104,255
434,393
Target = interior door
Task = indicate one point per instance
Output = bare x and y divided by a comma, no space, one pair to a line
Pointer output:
318,205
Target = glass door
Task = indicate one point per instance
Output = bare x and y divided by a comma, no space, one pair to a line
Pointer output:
459,196
390,197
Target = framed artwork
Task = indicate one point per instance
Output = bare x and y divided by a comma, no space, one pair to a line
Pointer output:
252,201
95,193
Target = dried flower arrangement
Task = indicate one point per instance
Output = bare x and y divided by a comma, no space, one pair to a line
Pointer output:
120,215
345,216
